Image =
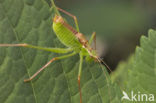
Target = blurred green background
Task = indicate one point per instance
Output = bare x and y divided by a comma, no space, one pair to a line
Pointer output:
118,24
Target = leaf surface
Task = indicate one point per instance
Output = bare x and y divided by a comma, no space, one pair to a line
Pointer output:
29,21
143,73
139,73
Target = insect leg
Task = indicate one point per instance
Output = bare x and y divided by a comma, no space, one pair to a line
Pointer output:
79,76
46,65
93,38
51,9
71,15
55,50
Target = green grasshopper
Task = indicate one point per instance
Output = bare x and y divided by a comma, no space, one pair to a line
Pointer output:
71,38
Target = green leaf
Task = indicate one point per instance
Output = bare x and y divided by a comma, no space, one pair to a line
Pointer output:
139,73
120,75
143,73
29,21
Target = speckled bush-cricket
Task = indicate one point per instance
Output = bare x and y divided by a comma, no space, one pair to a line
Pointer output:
75,42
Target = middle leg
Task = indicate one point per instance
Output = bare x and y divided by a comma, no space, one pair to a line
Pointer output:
93,39
79,76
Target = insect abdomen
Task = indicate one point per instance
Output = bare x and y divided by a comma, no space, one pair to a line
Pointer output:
65,35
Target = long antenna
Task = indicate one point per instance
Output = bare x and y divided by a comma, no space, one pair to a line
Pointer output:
105,64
